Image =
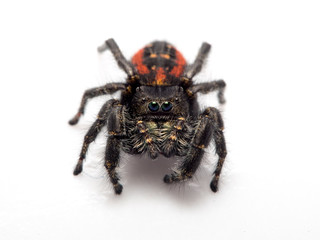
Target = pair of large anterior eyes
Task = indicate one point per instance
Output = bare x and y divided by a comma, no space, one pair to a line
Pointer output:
154,106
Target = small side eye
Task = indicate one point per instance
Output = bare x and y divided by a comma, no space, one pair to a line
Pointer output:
153,106
166,106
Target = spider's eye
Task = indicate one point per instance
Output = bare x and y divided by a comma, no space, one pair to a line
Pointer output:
166,106
153,106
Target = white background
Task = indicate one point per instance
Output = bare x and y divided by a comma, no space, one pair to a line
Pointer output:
268,52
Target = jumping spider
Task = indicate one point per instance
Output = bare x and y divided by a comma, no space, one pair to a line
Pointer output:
157,112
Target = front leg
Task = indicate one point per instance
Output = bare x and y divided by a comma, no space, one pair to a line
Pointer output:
93,132
116,130
95,92
112,161
210,125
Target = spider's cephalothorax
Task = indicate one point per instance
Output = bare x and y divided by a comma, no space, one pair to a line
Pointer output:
157,112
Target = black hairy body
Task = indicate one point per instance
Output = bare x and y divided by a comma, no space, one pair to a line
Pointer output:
157,112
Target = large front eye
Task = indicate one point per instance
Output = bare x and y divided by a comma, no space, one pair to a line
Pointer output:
166,106
153,106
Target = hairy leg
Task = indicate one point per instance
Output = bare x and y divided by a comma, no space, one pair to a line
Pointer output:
195,68
93,132
115,50
112,161
221,148
209,87
210,125
95,92
116,130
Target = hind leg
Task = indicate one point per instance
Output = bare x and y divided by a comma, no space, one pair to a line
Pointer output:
196,66
115,50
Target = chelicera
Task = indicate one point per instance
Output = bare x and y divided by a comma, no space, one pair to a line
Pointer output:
157,112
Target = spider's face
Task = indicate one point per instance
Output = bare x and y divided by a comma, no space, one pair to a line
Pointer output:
160,102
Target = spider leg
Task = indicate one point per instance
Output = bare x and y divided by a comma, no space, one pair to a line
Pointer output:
93,132
95,92
210,125
220,144
112,161
112,154
198,63
207,87
122,62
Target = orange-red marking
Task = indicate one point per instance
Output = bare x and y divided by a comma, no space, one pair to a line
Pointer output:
160,73
160,76
181,62
166,56
137,60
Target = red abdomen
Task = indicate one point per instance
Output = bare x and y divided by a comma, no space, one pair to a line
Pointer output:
159,63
